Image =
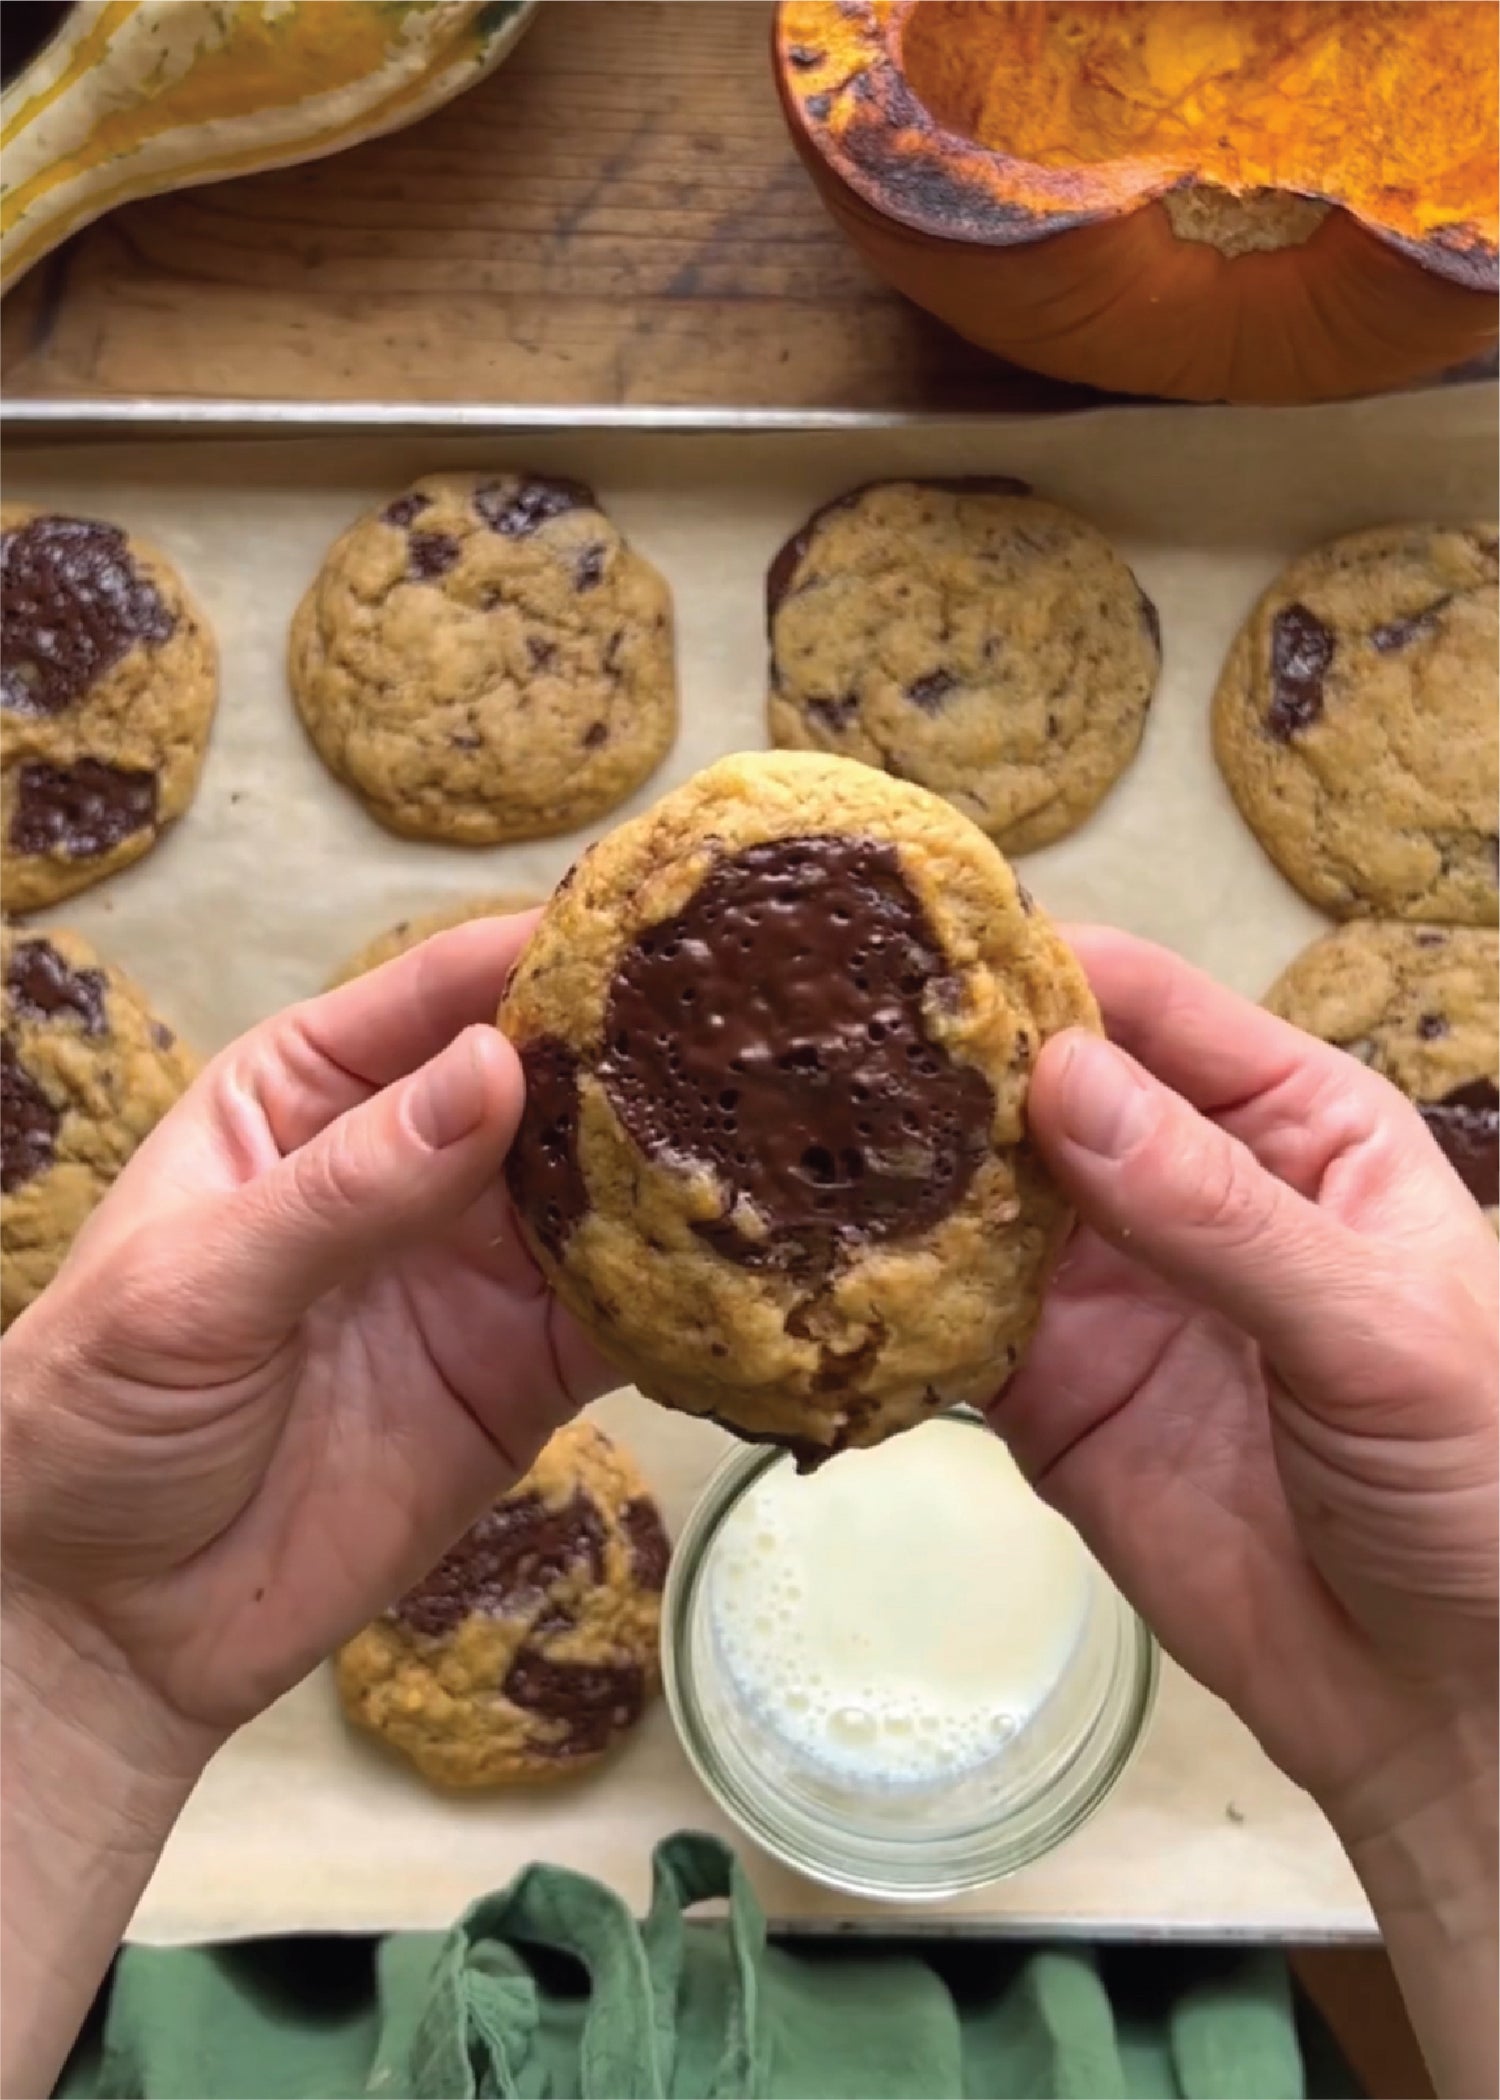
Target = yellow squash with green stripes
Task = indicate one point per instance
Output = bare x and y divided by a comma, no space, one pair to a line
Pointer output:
131,97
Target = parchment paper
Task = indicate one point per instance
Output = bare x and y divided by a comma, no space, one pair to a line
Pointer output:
276,873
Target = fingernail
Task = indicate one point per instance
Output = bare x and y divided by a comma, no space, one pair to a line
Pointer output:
1105,1102
448,1097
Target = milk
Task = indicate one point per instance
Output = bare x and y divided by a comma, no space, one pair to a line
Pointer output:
895,1619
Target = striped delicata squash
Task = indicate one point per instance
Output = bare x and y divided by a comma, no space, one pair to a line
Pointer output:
135,96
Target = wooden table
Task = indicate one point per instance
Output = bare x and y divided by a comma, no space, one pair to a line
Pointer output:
616,215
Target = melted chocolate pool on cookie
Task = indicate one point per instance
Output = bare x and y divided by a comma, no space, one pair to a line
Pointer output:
41,987
28,1123
593,1702
73,603
1466,1123
79,810
543,1171
650,1548
773,1032
505,1564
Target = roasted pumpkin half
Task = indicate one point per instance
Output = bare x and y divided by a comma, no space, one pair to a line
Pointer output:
1243,200
130,97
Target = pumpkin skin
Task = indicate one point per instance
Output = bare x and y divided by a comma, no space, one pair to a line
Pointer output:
1239,200
137,96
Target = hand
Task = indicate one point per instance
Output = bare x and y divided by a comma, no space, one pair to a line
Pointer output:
1265,1382
1264,1389
298,1347
294,1352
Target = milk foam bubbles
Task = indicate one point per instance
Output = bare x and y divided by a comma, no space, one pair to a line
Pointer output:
897,1617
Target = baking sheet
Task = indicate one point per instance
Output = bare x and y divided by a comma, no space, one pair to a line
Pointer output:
276,874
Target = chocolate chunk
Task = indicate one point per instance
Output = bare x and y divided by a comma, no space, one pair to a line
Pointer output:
79,810
504,1565
1301,652
835,715
817,106
28,1122
930,692
1150,619
430,554
1431,1026
803,56
542,1171
541,653
650,1548
406,508
1430,937
773,1033
594,1700
40,985
1466,1123
589,566
72,603
162,1035
465,740
517,511
595,735
1396,634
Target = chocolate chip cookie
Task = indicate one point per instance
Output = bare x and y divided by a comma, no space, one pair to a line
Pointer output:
1355,724
778,1034
107,694
486,659
532,1645
968,636
88,1072
410,933
1418,1003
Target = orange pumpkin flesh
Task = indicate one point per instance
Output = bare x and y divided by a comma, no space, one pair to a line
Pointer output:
1253,200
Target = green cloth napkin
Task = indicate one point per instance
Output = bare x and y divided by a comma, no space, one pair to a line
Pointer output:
550,1988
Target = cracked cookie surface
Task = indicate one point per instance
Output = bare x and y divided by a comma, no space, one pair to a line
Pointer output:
1419,1005
484,658
1355,723
778,1035
421,926
89,1071
968,636
532,1646
107,695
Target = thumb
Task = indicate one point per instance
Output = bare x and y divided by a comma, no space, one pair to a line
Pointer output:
1193,1204
400,1166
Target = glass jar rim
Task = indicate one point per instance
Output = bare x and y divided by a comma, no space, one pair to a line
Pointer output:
931,1868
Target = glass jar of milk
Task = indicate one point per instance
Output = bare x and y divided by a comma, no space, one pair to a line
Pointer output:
902,1675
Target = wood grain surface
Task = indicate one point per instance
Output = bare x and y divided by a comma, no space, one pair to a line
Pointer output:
617,215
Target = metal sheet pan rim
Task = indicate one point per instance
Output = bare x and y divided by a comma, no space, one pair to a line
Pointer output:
66,416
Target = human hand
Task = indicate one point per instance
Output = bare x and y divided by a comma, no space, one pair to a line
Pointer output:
1264,1389
1264,1386
297,1348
